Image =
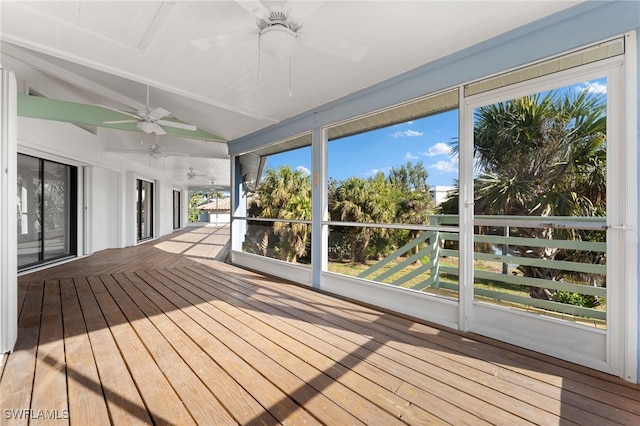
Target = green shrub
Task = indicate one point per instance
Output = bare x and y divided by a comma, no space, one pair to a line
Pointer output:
577,299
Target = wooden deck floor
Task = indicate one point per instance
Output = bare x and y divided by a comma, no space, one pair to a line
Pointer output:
161,334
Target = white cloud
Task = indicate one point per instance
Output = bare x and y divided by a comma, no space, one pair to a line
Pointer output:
446,166
374,172
303,170
407,134
410,156
440,148
594,88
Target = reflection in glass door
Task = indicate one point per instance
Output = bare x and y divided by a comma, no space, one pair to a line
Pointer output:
144,213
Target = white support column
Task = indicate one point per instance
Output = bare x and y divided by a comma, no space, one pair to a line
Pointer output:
319,206
631,307
130,208
157,200
465,214
87,210
8,220
184,207
238,206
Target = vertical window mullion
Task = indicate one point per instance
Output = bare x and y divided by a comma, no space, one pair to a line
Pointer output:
41,237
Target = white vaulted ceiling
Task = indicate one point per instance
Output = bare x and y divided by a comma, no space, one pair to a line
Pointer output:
114,49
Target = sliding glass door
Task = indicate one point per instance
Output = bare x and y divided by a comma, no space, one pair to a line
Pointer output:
177,208
144,211
47,211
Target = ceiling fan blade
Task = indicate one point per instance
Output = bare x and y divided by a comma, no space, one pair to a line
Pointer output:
128,151
299,11
157,114
178,125
226,40
130,114
256,8
333,45
70,112
196,134
119,121
158,130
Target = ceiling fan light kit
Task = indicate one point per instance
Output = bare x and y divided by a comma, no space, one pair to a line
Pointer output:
150,127
278,41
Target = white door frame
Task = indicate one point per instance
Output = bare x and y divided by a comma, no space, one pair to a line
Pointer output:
613,351
8,220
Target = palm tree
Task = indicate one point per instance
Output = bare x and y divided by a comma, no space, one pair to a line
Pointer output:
360,200
542,155
284,194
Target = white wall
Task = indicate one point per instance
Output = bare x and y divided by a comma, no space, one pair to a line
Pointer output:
107,204
111,213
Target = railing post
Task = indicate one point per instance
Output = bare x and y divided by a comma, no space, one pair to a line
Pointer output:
505,251
435,271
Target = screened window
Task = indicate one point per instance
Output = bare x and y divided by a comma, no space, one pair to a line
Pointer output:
392,176
277,197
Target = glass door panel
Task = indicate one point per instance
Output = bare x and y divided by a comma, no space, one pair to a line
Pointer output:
29,210
144,210
57,205
540,203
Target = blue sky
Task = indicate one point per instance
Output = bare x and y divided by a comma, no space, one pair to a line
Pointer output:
426,140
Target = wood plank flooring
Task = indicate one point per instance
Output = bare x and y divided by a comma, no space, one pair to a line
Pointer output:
163,334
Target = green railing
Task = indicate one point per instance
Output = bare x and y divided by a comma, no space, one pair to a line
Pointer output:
576,262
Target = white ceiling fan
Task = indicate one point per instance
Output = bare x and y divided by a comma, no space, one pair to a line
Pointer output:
191,175
279,32
157,152
151,121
